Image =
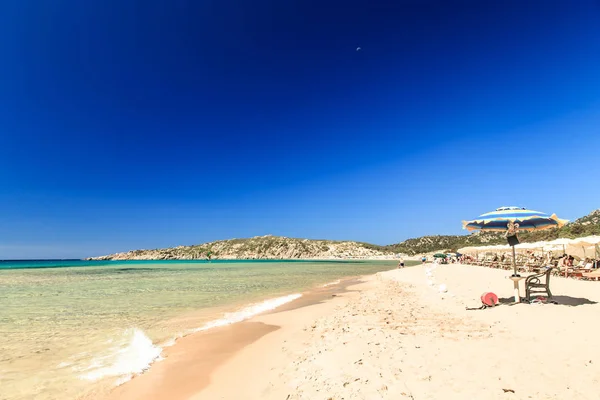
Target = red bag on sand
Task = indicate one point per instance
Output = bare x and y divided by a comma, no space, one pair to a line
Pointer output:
489,299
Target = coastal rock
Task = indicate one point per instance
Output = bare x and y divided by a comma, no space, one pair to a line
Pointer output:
261,248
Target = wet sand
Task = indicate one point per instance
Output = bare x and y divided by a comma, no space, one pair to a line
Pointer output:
187,366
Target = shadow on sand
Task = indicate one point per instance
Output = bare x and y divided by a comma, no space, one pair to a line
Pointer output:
556,300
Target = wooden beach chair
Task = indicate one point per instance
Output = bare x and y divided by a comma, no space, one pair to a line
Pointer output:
538,284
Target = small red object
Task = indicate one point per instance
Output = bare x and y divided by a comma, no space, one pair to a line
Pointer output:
489,299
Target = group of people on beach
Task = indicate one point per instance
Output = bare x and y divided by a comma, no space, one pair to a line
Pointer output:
566,261
401,263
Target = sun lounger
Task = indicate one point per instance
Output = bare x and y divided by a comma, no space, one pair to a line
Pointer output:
579,271
537,267
538,284
568,272
592,276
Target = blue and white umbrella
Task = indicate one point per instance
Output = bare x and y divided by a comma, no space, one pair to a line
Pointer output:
512,220
528,220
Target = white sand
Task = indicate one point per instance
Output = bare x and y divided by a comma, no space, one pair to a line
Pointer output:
398,338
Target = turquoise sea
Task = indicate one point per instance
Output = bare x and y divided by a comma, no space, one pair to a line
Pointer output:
68,326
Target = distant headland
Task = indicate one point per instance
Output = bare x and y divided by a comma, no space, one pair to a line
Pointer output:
277,247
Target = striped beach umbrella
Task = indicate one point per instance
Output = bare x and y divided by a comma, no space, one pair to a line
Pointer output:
528,220
514,219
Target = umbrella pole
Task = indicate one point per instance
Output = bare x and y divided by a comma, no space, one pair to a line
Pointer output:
514,261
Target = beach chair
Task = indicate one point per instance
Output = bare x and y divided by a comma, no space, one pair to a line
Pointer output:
535,267
488,260
592,276
526,267
538,284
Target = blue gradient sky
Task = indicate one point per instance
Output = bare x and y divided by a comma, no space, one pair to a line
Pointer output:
149,124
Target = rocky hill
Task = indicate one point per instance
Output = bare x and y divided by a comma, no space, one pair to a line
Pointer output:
260,247
274,247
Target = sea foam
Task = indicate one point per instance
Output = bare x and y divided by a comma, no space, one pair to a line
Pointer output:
136,352
249,312
134,357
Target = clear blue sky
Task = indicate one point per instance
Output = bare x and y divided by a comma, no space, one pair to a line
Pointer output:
129,125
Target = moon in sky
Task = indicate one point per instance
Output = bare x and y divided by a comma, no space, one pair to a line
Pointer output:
358,49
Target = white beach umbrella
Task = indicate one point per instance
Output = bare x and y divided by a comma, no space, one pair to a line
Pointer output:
487,249
523,247
476,249
537,245
492,248
466,250
583,247
581,252
591,251
541,244
586,241
530,246
502,248
557,244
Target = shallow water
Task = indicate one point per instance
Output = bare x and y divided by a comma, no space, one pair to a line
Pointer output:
65,329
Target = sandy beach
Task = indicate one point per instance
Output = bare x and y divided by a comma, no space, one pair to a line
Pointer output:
394,336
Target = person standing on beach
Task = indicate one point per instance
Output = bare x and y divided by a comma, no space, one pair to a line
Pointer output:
423,259
401,263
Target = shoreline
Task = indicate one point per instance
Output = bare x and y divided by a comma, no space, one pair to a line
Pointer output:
252,364
393,335
186,367
128,319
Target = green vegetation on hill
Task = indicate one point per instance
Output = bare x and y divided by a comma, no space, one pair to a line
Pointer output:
584,226
428,244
